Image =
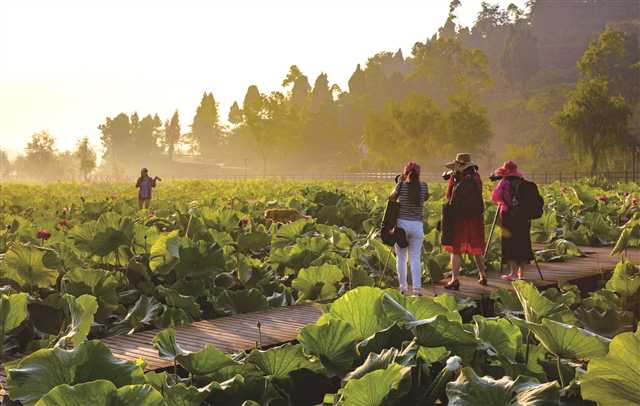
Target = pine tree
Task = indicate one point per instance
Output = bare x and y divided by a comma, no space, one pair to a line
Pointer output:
172,134
205,127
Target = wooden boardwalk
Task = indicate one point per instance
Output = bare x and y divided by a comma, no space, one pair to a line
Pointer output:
596,263
279,325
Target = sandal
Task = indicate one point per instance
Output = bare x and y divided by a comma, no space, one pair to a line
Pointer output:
453,285
508,277
482,281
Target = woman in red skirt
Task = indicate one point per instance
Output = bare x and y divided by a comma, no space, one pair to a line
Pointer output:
468,230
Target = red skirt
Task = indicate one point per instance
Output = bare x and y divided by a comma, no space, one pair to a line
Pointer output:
468,236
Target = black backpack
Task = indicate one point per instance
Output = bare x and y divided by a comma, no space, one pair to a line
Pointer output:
390,233
466,198
526,201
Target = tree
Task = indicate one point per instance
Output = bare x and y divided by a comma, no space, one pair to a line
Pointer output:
172,133
145,134
615,56
593,121
321,96
86,157
254,115
468,128
300,91
410,130
116,139
5,164
235,114
40,156
520,56
205,128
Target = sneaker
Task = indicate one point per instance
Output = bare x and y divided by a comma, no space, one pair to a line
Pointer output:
508,277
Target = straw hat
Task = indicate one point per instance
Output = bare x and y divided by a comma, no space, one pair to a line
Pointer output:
462,162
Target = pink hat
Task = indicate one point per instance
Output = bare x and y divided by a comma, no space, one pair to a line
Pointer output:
507,169
411,167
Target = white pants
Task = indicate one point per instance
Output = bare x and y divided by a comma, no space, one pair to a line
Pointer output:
415,235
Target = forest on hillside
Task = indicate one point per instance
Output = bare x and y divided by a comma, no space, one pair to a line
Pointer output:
555,86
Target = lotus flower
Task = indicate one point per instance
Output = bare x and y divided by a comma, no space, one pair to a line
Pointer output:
244,222
453,363
43,234
64,223
603,198
634,202
152,214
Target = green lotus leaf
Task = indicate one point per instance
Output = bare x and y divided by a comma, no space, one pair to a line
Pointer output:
318,282
608,323
13,311
255,241
471,390
82,311
625,279
206,361
382,361
174,299
373,388
288,233
362,308
101,393
242,301
503,337
168,348
183,395
97,282
566,341
614,380
390,337
332,342
278,362
172,317
506,301
143,312
165,253
439,331
23,264
35,375
453,303
534,304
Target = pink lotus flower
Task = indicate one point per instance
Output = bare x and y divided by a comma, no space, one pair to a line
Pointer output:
244,222
43,234
603,198
634,202
152,215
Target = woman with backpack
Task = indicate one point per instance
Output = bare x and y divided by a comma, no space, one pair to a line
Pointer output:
466,223
411,194
515,224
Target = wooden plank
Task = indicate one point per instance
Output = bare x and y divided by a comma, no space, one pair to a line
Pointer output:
228,334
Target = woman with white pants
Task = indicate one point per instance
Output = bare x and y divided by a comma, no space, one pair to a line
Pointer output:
411,193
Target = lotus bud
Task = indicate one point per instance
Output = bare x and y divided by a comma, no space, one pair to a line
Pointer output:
453,363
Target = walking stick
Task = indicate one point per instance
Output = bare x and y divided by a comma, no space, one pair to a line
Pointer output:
384,270
493,227
537,266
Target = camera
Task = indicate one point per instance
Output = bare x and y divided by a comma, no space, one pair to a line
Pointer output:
494,177
447,174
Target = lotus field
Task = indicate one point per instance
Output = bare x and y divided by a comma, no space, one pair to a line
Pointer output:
79,262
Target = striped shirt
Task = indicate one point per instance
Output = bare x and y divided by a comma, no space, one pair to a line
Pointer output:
408,210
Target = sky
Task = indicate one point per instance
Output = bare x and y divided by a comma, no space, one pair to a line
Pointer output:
67,65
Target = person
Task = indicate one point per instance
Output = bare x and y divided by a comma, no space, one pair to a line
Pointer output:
411,194
145,184
468,230
516,230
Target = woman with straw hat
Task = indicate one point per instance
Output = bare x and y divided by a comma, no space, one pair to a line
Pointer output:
468,228
516,230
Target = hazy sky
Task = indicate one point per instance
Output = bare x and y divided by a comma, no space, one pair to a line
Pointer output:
67,64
